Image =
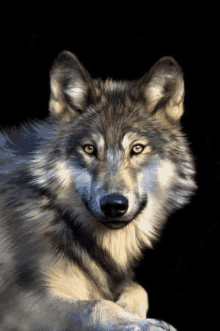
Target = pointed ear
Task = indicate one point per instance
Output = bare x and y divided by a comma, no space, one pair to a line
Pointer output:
163,88
69,84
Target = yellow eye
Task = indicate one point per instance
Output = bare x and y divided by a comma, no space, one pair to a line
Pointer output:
89,149
137,149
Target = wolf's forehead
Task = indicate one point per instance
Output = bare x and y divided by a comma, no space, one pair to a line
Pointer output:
121,94
121,139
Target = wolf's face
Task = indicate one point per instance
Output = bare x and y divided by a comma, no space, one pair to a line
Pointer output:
116,170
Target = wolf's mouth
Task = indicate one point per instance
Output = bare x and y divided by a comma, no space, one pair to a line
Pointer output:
115,224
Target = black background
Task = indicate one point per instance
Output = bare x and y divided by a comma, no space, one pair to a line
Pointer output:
181,274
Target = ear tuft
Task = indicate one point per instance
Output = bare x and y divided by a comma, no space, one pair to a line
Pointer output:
164,88
69,82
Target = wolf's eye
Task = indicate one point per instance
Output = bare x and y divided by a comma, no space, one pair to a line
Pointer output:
137,149
89,149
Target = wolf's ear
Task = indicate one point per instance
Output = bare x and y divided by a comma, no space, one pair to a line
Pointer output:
69,83
164,88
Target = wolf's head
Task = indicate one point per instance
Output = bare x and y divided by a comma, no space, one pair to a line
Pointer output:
123,161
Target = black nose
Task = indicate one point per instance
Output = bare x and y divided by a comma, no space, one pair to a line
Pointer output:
114,205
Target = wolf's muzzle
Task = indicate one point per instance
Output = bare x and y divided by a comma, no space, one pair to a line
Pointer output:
114,206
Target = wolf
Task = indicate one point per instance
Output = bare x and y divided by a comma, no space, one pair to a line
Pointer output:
84,192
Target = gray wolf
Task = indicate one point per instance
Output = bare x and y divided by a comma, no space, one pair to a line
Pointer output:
84,192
